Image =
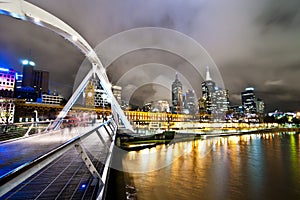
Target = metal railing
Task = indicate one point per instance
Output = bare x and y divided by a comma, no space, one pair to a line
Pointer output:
15,177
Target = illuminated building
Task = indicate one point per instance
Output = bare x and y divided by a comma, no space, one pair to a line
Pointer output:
19,78
248,101
89,95
208,87
51,99
7,111
37,79
28,93
7,82
190,102
117,92
157,106
220,104
177,102
260,106
7,85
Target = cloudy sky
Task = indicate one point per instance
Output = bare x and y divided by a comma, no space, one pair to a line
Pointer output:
253,43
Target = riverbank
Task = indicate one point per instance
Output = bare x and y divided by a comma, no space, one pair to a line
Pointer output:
135,142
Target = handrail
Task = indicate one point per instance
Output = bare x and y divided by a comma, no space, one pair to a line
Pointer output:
13,178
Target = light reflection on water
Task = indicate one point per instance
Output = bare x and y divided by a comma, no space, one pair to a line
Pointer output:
258,166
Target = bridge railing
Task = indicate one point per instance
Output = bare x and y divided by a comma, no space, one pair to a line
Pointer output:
15,177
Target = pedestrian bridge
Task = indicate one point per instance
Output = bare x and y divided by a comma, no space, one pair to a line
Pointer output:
60,163
70,163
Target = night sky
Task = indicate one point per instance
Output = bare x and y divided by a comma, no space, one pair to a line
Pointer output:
253,43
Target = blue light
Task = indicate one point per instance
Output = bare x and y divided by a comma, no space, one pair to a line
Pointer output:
4,69
83,185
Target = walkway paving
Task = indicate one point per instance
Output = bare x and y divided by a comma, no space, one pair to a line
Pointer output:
65,178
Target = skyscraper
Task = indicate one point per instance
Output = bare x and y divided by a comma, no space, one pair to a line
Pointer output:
208,87
220,104
177,95
190,102
37,79
249,101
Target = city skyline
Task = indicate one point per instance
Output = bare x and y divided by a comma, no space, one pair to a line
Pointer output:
261,35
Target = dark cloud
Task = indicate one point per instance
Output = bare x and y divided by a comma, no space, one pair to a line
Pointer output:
252,42
154,92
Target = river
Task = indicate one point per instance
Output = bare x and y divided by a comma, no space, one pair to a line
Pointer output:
256,166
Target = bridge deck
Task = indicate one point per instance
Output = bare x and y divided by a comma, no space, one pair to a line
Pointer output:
63,178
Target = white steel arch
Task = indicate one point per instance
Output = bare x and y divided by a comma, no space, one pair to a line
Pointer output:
23,10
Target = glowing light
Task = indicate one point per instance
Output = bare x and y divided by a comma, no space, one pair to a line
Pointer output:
28,62
249,89
25,62
37,20
83,186
4,69
31,63
74,38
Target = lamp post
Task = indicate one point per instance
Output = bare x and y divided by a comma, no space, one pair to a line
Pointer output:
169,116
36,118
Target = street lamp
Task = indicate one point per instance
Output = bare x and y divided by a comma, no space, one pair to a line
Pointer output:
36,119
36,115
169,116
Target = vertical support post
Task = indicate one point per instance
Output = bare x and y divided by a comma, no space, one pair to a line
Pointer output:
101,138
72,100
89,164
111,139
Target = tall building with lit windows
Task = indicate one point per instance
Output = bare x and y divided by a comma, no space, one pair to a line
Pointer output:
7,86
190,102
177,102
220,104
7,82
214,102
37,79
249,100
208,88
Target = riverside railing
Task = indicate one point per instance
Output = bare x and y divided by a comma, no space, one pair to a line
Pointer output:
15,177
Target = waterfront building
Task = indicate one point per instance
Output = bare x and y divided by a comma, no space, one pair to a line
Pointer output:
7,86
157,106
7,110
89,95
260,106
95,96
101,98
249,101
190,102
52,99
117,92
37,79
7,82
177,103
208,88
220,104
28,93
